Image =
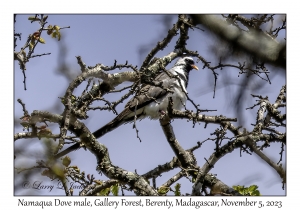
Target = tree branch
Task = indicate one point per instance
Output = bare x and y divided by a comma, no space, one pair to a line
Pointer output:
254,43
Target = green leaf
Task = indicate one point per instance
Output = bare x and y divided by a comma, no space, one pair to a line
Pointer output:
50,29
30,46
115,189
32,18
163,190
73,99
177,189
255,193
41,40
63,100
104,192
56,27
58,171
253,187
58,36
54,34
248,191
98,182
66,161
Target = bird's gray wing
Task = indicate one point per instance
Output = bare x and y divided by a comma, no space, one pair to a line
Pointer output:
150,93
145,96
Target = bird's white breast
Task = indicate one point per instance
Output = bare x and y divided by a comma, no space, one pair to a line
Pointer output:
153,110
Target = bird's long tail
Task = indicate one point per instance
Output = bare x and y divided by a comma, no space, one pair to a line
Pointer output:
108,127
68,150
98,133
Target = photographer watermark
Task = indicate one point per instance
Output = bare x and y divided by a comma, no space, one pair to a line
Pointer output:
42,185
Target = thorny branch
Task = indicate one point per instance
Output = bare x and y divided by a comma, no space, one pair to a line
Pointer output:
31,43
268,115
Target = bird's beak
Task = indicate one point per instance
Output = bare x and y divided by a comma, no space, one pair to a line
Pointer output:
194,67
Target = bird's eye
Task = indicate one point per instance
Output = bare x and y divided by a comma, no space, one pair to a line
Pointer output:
189,61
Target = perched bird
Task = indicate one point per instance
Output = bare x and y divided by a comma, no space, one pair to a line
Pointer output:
151,101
